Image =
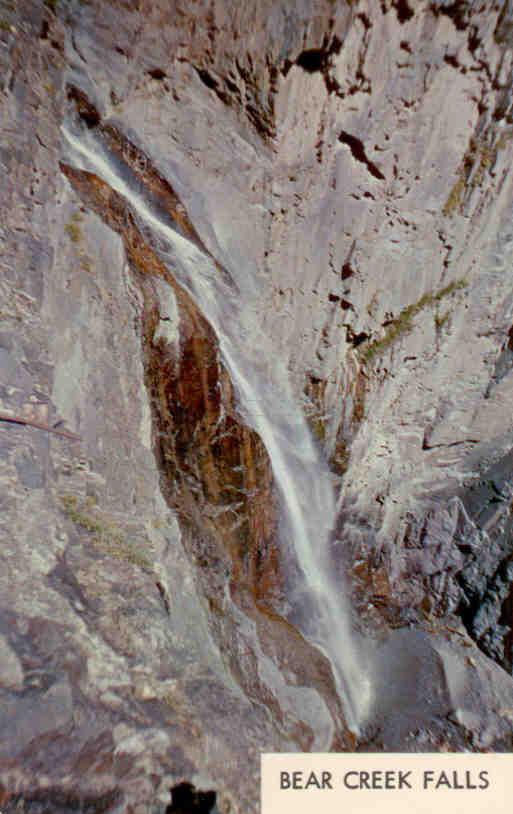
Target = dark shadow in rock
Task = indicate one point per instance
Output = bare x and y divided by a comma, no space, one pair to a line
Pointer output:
185,799
410,688
437,692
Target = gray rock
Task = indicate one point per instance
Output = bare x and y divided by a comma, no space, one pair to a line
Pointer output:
350,163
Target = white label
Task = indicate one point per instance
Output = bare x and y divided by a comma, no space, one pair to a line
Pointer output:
461,783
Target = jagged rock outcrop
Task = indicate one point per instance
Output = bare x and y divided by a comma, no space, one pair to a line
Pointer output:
352,160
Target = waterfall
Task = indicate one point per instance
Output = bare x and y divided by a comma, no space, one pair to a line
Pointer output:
268,405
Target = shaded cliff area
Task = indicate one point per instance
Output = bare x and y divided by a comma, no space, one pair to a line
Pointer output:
344,170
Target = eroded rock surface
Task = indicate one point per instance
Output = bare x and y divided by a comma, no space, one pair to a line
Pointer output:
351,162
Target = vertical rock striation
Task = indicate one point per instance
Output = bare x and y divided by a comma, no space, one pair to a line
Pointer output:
350,163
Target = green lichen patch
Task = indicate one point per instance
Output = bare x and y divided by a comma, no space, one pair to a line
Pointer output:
403,323
107,537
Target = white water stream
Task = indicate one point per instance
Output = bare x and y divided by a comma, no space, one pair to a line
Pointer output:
268,404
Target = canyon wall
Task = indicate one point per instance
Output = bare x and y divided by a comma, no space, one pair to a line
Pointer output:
345,166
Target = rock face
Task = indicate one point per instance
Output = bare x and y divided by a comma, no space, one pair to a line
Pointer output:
350,163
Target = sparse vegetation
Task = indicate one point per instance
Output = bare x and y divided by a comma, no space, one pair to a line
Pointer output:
74,232
486,156
107,537
403,324
340,459
441,319
73,229
314,407
318,427
4,25
480,156
504,138
453,202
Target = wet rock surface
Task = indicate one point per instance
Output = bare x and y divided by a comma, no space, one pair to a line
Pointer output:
353,160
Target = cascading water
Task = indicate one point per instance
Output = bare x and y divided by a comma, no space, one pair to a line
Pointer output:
266,399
